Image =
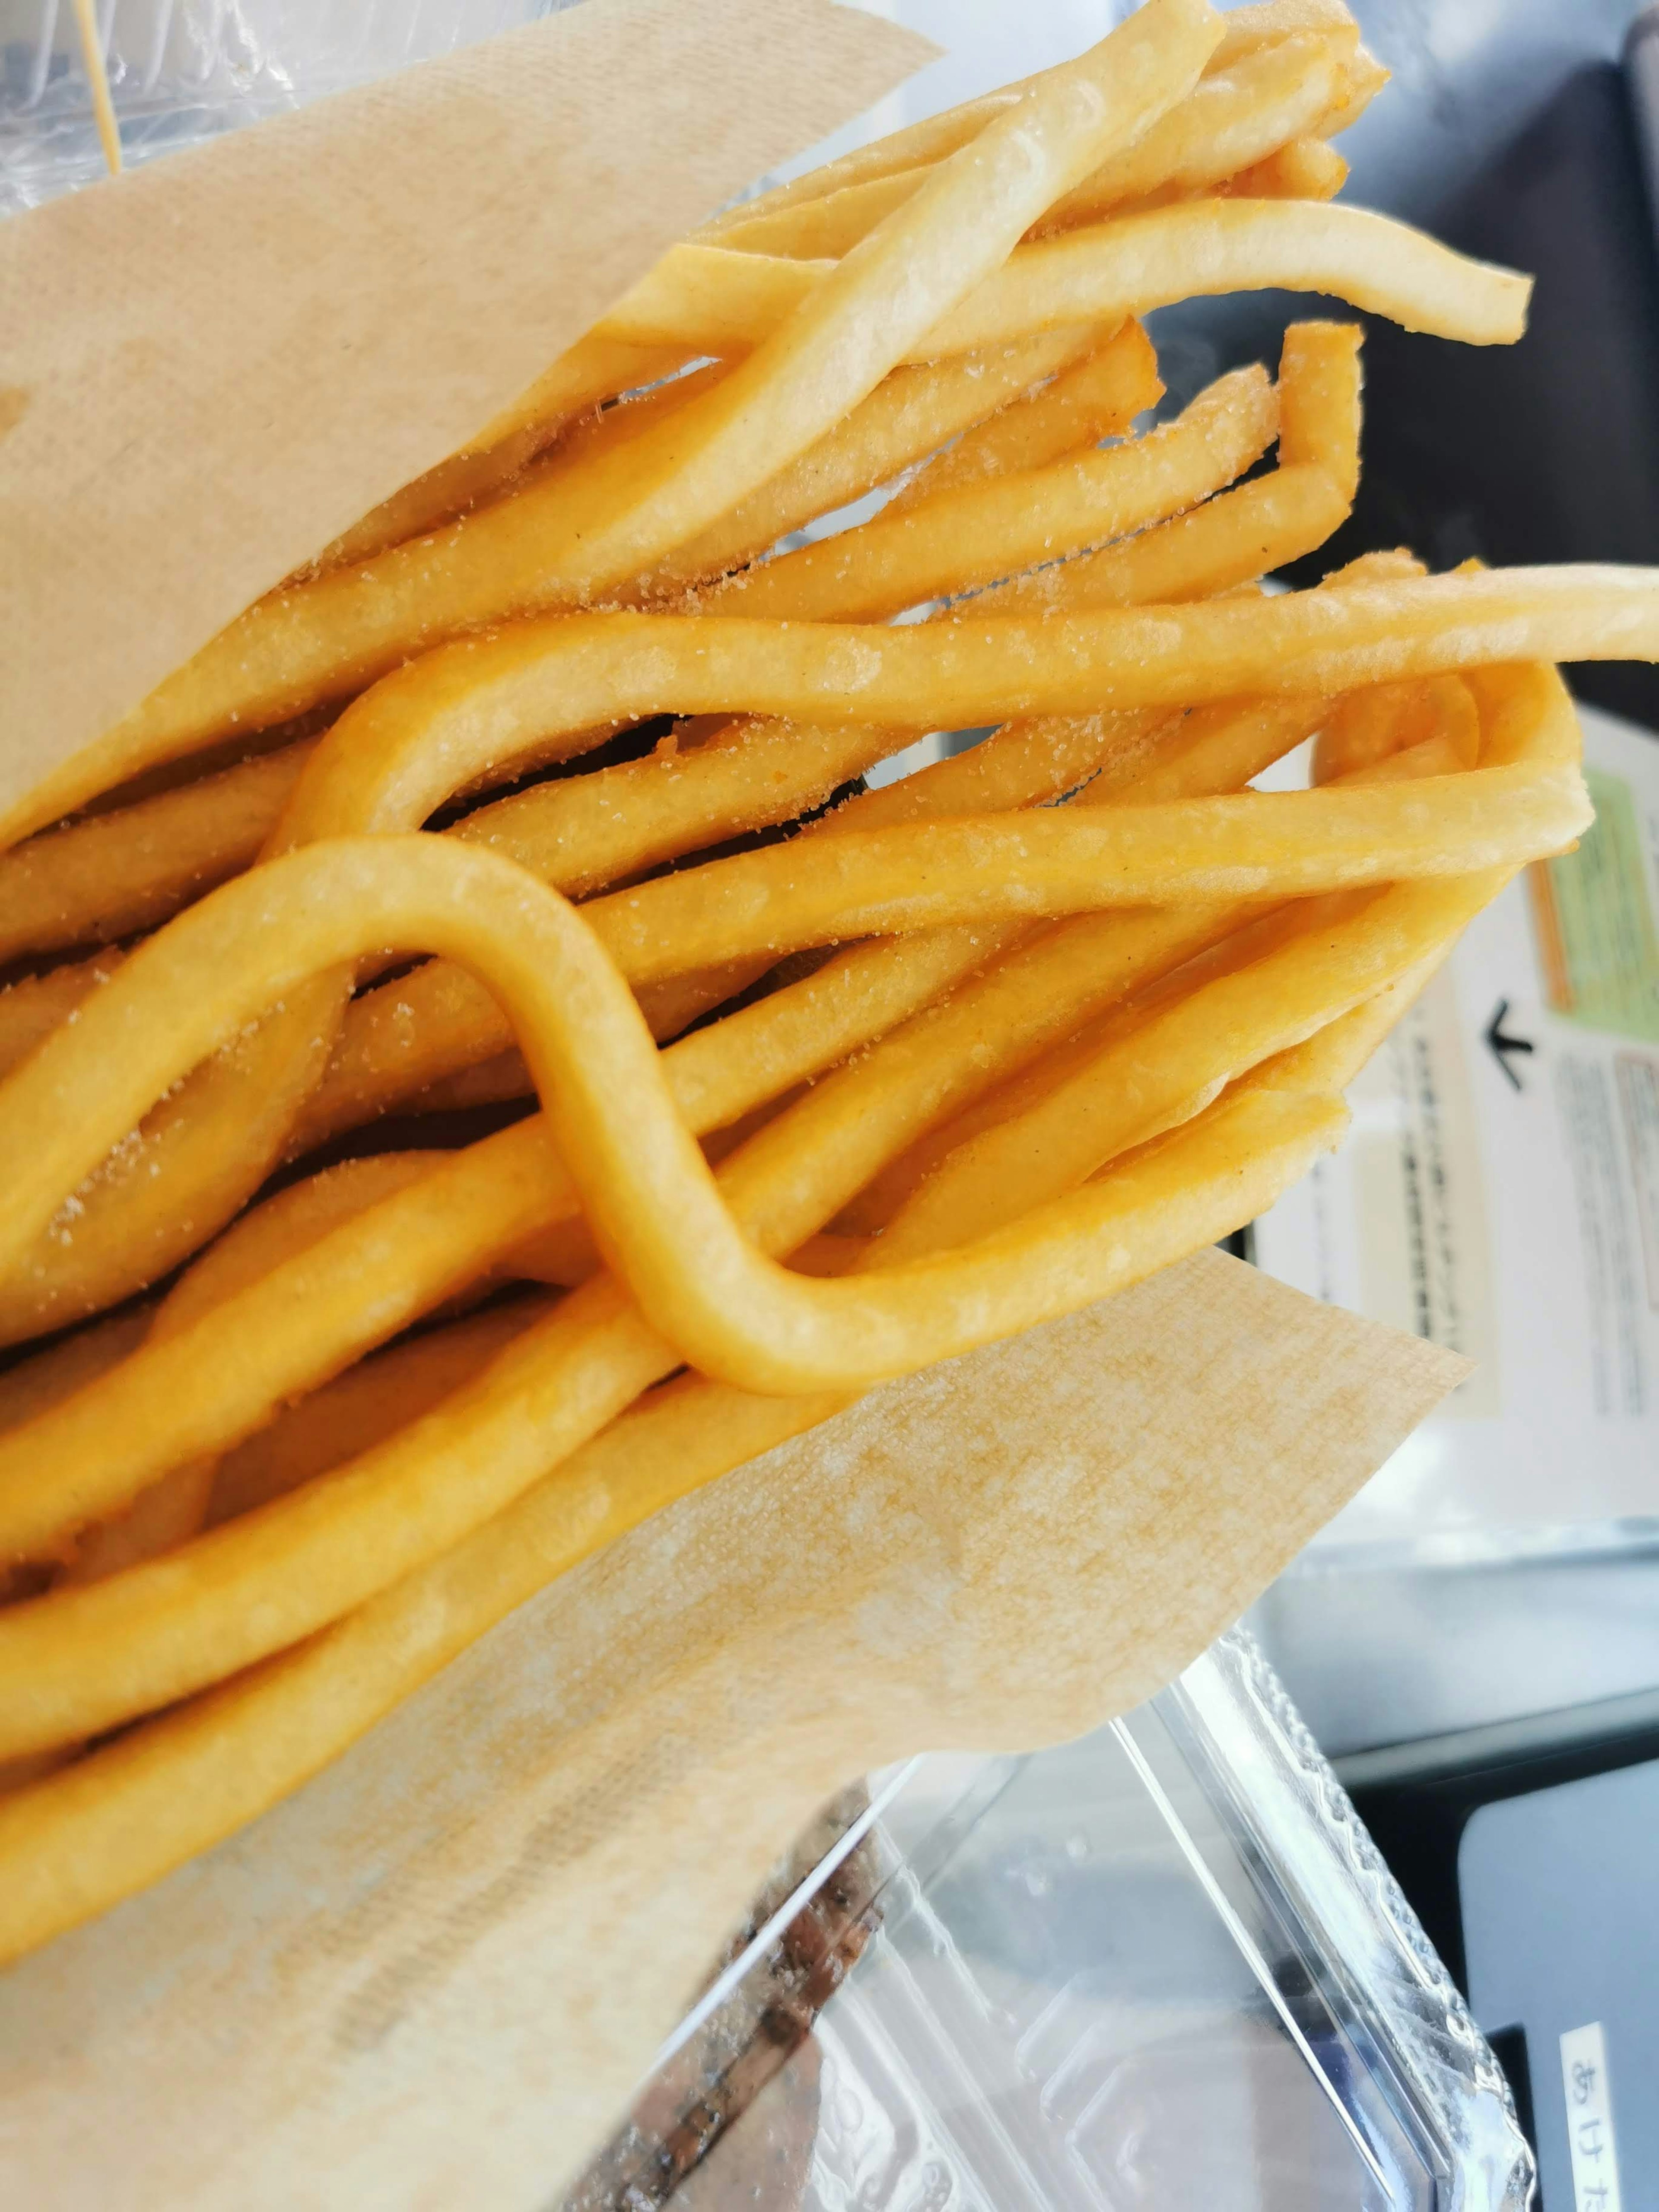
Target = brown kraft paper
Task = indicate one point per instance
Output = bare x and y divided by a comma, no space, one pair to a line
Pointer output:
434,1977
214,364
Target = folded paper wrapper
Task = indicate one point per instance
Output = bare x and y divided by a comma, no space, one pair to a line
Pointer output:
434,1975
213,365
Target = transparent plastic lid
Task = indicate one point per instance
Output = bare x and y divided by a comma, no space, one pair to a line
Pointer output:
1162,1967
181,70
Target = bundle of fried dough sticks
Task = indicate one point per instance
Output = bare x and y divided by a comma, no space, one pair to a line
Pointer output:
482,808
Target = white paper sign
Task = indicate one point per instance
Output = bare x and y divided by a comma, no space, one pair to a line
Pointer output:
1498,1192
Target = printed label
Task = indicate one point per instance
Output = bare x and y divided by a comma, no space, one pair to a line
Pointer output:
1498,1192
1425,1253
1638,1077
1589,2119
1607,1235
1597,946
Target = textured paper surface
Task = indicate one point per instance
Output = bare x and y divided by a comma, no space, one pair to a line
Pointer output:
211,366
433,1977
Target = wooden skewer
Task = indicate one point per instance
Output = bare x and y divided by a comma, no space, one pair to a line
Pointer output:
92,53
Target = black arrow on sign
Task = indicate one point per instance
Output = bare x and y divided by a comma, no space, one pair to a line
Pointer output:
1502,1046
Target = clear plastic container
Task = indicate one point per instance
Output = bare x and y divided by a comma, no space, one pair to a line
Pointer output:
181,70
1162,1967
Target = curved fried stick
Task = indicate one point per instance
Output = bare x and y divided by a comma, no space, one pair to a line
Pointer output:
1231,119
350,1535
314,1314
1158,1062
908,877
483,702
786,1227
441,723
1239,534
474,1202
1164,1066
76,1843
918,145
126,871
322,638
1266,523
955,539
910,415
32,1008
1305,169
852,882
367,1404
712,298
553,973
1373,726
202,1155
